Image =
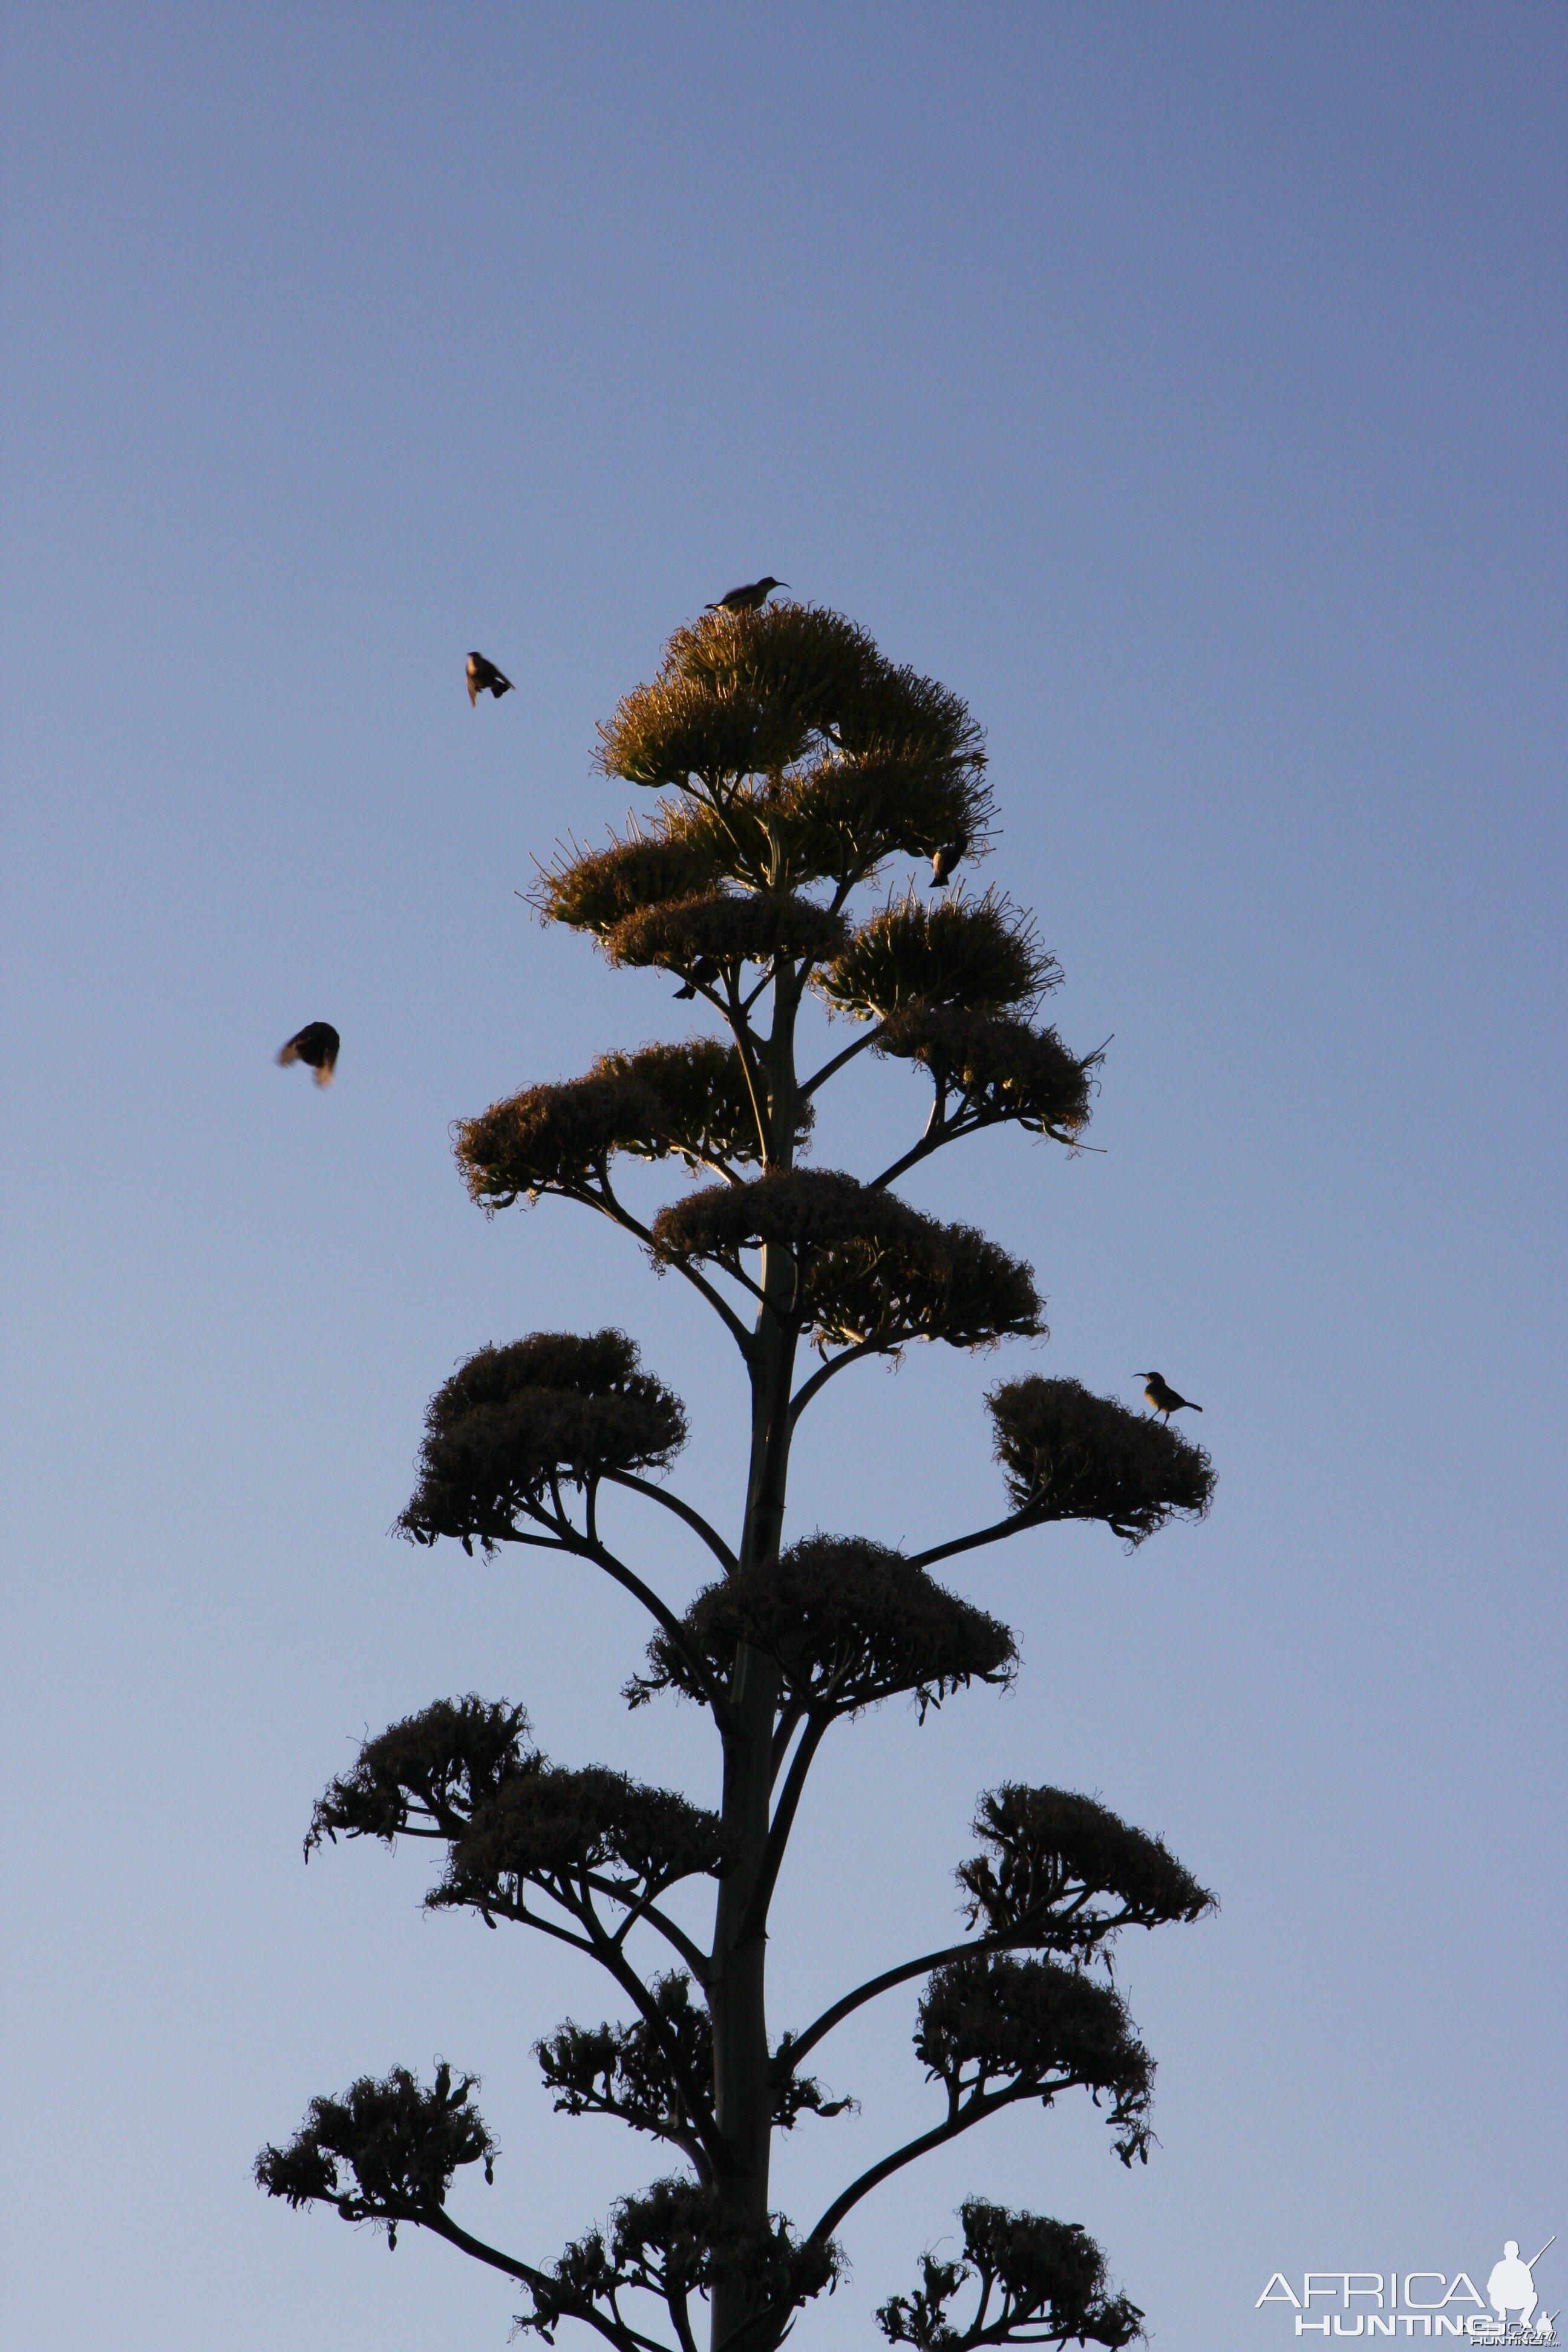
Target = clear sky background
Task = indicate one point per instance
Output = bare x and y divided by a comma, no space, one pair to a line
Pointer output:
1182,386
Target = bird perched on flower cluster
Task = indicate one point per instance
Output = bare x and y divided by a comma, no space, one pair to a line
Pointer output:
944,864
316,1045
701,974
750,598
484,678
1162,1397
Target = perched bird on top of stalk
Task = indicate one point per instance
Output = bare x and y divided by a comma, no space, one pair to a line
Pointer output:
1164,1397
750,598
483,676
316,1045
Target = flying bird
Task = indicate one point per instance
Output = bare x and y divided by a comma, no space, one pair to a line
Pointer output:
316,1045
1162,1397
747,600
945,862
483,674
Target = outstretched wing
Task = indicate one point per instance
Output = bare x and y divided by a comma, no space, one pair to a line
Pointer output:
317,1046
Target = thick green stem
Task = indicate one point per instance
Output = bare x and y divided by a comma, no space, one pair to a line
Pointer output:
738,1997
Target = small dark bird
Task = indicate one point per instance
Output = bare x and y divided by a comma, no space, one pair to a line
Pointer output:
483,674
316,1045
944,865
703,974
747,600
1164,1397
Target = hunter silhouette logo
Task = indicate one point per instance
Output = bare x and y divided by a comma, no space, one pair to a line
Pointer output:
1511,2288
1423,2302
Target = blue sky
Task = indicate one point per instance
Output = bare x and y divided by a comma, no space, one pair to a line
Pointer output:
1185,388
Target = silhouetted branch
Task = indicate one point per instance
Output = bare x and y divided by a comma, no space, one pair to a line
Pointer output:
746,1046
617,2331
696,2095
935,1133
779,1828
693,1519
610,1206
820,2027
570,1540
520,1916
695,1957
959,2119
828,1070
992,1534
819,1380
787,1726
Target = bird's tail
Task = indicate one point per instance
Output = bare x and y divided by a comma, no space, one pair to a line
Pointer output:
502,685
1197,1408
324,1076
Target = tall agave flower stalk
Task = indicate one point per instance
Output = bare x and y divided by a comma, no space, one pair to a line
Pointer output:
790,764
